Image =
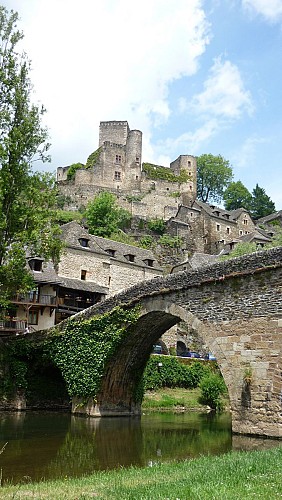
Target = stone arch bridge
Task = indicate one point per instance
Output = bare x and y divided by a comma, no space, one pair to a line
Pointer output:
236,307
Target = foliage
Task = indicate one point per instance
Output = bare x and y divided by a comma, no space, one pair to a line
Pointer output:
26,198
175,194
134,197
276,240
212,387
236,195
65,216
146,241
170,241
240,249
172,373
261,205
156,225
213,176
125,238
103,215
157,172
93,158
82,350
72,170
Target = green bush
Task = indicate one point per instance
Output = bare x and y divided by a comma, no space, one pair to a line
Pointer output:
212,388
157,225
72,170
170,241
172,373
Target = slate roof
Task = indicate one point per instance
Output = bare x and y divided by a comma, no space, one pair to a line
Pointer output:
220,213
72,232
48,276
84,286
271,217
197,260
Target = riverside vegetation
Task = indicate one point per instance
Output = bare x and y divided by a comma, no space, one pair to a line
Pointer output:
236,475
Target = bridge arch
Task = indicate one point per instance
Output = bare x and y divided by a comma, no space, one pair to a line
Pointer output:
236,307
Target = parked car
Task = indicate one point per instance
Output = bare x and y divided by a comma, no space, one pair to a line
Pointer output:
193,354
210,357
157,349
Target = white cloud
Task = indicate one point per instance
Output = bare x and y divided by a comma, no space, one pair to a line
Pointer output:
224,95
108,60
246,155
223,100
271,10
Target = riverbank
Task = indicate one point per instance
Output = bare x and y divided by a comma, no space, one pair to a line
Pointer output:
236,475
176,399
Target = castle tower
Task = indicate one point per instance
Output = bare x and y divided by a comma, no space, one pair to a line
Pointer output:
113,131
188,164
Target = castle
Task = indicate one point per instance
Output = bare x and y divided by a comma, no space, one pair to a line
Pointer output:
150,191
146,191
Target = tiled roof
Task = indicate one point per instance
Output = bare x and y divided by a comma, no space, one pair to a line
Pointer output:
268,218
85,286
72,232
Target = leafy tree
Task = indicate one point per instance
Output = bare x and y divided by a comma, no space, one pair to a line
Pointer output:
104,217
213,176
261,204
236,195
26,198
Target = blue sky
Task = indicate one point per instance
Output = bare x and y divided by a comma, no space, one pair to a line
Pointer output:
195,76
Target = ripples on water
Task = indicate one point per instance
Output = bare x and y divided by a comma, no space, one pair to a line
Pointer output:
52,445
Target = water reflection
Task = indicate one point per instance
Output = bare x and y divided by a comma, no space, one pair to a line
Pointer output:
51,445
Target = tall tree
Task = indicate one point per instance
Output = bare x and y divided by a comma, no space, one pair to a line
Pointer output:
213,176
26,198
261,205
104,217
236,195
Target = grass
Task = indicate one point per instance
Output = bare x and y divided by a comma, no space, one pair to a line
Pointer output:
175,399
234,476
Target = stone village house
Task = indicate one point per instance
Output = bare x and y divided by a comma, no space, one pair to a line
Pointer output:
90,269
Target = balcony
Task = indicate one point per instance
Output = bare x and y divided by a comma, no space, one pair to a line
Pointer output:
8,326
75,303
34,298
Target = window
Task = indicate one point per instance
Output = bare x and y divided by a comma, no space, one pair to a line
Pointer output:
228,230
83,274
130,257
218,227
191,214
117,176
245,222
111,252
189,165
32,317
149,262
35,264
137,159
240,232
84,242
118,158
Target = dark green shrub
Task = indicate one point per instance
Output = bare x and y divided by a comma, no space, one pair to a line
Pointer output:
157,225
212,388
172,373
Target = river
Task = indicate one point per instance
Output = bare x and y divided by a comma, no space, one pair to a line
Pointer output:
48,445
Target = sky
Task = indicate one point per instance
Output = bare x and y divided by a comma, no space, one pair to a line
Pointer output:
194,76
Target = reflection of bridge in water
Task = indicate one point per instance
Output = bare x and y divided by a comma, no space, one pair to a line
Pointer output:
236,307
